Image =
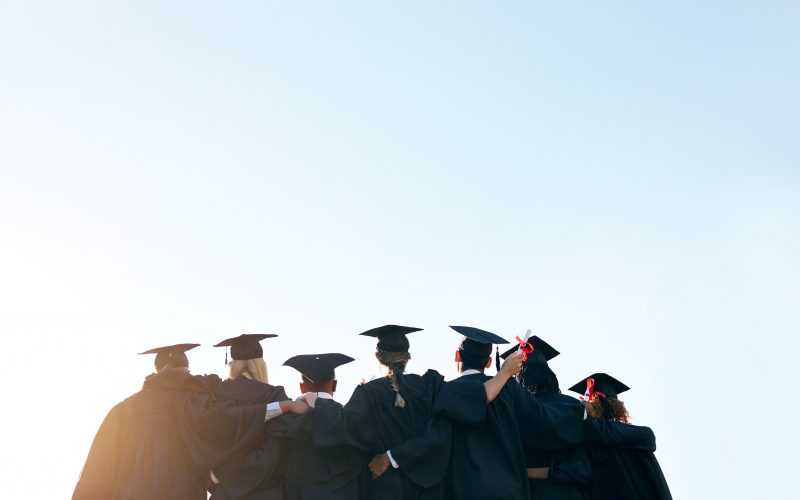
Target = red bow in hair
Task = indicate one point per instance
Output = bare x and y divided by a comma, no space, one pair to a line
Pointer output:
525,347
590,392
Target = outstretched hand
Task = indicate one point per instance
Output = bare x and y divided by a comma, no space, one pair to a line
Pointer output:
299,406
379,464
309,397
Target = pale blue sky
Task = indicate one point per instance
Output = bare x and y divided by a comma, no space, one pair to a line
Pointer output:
621,177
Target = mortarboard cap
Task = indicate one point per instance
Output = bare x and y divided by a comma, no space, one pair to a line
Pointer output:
174,355
479,336
603,383
318,367
245,346
389,329
542,351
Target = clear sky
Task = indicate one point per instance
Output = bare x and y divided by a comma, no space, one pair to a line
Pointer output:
621,177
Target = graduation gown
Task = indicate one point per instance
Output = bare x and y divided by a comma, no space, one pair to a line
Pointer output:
371,422
257,474
162,441
487,461
570,473
624,466
322,472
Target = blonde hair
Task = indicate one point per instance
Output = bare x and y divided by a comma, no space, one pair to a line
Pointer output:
254,369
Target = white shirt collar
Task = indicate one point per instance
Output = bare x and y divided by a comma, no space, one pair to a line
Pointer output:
324,395
469,372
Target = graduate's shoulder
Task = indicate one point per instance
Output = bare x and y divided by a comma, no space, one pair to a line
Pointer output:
412,386
557,397
246,391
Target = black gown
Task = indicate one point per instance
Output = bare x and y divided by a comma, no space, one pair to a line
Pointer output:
321,472
487,460
162,441
371,422
624,466
570,472
259,473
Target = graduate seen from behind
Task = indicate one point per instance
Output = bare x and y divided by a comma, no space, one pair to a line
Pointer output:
487,460
162,441
553,474
321,472
260,473
389,411
624,466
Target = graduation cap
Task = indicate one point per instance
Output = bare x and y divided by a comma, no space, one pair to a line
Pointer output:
481,337
318,368
390,329
173,355
601,384
245,346
542,351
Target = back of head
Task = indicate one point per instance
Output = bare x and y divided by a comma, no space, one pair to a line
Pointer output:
392,352
171,360
474,355
608,408
254,369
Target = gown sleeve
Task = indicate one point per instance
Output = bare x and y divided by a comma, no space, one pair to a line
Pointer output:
462,401
547,426
99,474
352,424
213,432
424,458
600,432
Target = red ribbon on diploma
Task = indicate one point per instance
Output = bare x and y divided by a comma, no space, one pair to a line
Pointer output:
590,392
525,347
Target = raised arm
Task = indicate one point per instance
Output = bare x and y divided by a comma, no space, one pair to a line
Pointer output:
511,366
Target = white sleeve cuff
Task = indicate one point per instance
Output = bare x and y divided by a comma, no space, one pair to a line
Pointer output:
213,477
273,410
391,459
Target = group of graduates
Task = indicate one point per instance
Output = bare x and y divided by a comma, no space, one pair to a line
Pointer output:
401,436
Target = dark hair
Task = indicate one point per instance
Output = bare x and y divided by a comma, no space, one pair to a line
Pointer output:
392,352
474,354
538,378
609,408
316,386
171,359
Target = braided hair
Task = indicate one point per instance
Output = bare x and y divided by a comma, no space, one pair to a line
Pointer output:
392,352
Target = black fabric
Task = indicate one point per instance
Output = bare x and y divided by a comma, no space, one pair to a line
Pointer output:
246,346
259,472
371,422
624,466
570,471
162,441
603,383
318,368
322,472
547,488
487,460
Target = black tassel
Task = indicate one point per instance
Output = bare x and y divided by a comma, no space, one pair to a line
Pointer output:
497,357
226,355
